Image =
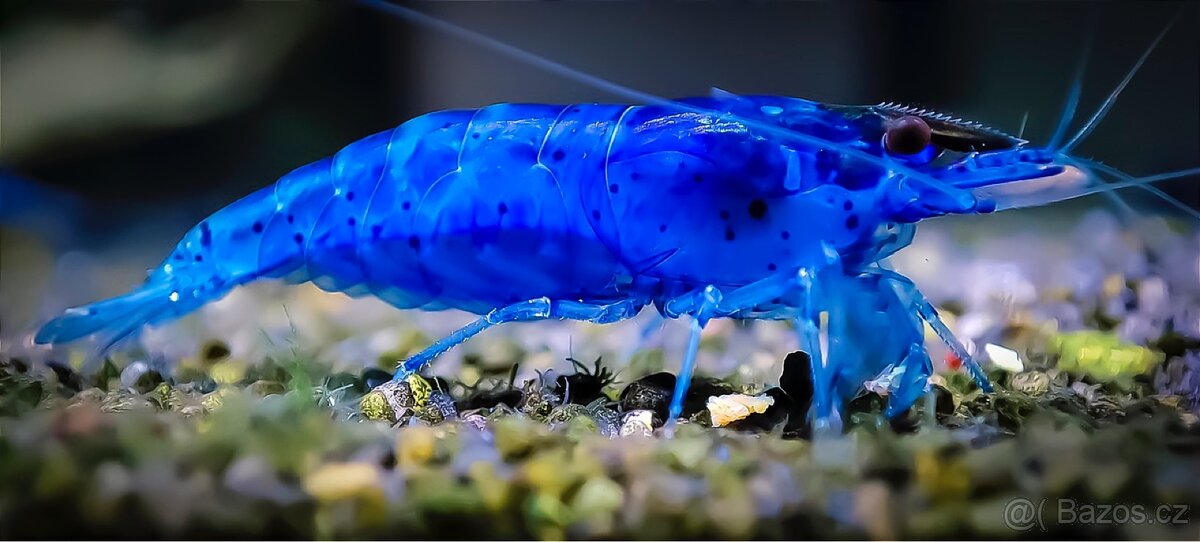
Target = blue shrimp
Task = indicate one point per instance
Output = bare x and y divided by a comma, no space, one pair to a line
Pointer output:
727,206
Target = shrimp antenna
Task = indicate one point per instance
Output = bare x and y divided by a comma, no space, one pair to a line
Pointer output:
1017,201
1024,121
1112,98
1125,177
1072,104
634,94
1143,181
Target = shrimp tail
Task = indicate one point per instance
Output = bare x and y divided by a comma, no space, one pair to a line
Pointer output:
115,318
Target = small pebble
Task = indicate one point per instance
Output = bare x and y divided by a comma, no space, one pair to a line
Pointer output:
339,481
1004,358
1031,382
133,372
637,423
438,408
475,420
651,392
726,409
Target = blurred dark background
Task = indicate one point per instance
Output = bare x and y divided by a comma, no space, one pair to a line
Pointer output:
121,114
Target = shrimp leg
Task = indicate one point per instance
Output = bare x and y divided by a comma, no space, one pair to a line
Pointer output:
916,301
917,370
808,331
541,308
705,303
709,302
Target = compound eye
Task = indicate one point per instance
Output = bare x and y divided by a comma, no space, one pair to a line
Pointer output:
907,135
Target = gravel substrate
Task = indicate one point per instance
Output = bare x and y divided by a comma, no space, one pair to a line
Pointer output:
217,428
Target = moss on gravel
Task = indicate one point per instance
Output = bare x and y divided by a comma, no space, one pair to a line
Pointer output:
283,449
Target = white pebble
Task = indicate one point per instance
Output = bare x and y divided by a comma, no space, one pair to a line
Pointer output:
1004,358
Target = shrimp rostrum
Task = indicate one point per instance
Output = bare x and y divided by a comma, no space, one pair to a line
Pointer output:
728,206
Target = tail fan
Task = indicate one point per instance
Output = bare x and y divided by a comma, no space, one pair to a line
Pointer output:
113,319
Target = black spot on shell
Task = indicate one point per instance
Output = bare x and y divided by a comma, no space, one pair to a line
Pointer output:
662,228
771,267
475,135
299,238
595,214
414,242
376,230
558,154
848,205
729,235
785,234
349,196
291,219
178,256
406,205
257,227
697,178
350,221
205,234
757,209
502,208
851,222
635,175
724,215
199,258
614,188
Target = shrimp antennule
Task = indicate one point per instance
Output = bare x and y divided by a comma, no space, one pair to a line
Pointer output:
1112,98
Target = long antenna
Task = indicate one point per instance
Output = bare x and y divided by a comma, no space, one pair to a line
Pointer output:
634,94
1112,98
1072,104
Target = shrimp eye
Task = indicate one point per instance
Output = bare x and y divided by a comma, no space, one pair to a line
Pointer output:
907,135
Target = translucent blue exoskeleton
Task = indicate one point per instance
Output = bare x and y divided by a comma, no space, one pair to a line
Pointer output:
750,207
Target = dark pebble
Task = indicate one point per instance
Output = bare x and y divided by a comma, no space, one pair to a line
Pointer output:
490,398
907,422
388,461
585,385
19,365
341,380
537,402
148,381
796,382
651,392
608,420
866,403
373,377
67,377
216,351
1174,345
439,408
945,401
